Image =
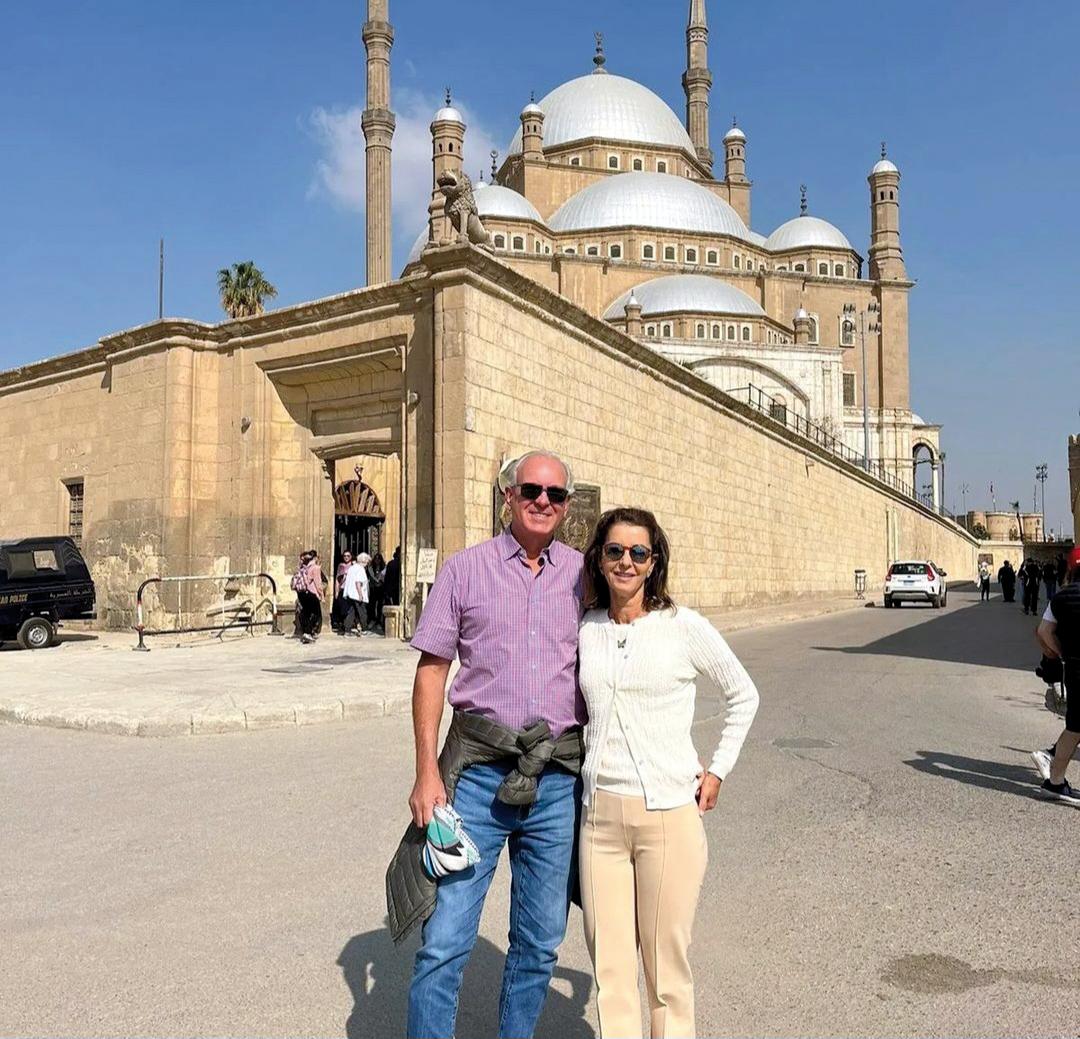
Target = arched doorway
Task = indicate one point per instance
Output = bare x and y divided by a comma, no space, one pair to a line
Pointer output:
358,518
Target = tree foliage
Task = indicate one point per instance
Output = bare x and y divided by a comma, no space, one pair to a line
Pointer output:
243,289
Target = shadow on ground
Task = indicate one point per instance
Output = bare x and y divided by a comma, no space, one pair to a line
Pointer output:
378,975
994,634
61,638
1021,780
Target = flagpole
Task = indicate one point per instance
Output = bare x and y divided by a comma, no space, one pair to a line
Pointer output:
161,279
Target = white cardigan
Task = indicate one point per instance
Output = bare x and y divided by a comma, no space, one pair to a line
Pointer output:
653,679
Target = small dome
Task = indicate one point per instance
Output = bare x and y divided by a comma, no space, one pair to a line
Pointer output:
632,301
608,106
916,420
648,200
734,134
884,166
449,114
807,232
801,314
532,108
687,293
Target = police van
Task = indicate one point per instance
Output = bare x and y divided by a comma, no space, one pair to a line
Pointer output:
43,581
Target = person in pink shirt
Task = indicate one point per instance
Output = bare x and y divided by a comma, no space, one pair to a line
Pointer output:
310,587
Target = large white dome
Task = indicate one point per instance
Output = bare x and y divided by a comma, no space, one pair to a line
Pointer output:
649,200
612,107
687,293
803,232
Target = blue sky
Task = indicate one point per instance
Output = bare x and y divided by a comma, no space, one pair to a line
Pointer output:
232,130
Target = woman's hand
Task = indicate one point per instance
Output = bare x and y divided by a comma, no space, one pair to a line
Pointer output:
708,790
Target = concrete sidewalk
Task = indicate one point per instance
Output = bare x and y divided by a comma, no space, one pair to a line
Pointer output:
199,686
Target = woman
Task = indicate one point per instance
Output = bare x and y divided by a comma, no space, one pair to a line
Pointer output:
337,611
645,791
376,572
310,586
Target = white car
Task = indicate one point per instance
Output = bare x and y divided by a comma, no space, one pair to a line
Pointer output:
914,580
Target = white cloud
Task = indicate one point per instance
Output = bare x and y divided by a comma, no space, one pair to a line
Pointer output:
339,172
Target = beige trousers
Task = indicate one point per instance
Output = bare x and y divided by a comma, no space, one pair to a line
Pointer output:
641,874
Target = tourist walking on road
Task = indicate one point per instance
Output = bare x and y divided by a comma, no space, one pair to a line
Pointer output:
1050,579
1059,636
354,618
643,850
1007,579
508,609
984,581
310,587
1030,576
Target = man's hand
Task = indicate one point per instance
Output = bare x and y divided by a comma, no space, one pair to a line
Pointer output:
427,792
707,792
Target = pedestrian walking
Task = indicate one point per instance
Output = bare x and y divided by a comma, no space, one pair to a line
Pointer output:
1059,636
643,846
310,587
508,609
376,571
392,580
984,581
1031,579
338,609
1007,579
1050,579
355,587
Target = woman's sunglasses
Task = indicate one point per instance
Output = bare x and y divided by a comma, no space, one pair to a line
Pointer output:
532,491
639,554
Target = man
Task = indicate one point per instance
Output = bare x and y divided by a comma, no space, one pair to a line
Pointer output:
1031,587
509,609
984,581
392,581
355,592
1007,579
1059,636
1050,579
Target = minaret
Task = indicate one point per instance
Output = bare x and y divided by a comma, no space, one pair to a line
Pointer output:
886,256
735,155
377,123
1074,484
532,132
697,81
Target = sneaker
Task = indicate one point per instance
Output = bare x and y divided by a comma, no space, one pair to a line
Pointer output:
1042,763
306,639
1061,792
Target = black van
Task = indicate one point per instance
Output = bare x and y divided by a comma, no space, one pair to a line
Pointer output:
42,582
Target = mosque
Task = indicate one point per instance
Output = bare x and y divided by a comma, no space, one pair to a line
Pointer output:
609,299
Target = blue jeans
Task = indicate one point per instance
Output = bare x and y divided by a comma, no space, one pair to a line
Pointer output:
543,864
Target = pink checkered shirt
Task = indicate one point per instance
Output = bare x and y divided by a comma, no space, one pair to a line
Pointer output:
515,634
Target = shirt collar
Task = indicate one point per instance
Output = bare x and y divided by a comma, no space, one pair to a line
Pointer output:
511,548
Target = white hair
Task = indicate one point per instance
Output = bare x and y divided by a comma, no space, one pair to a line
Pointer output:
508,472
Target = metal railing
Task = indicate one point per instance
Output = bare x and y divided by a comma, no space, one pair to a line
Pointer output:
233,615
825,438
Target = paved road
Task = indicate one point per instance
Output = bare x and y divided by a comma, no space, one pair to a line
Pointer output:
879,865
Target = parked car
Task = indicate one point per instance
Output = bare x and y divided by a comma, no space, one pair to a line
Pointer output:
916,581
43,581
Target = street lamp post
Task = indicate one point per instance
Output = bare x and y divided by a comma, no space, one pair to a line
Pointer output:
867,323
964,488
1040,475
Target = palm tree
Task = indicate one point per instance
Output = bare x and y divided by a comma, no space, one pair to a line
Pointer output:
243,289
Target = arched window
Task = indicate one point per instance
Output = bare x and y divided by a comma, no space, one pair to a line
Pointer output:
518,243
661,166
813,329
713,257
892,196
782,267
700,331
737,261
648,252
838,270
615,251
613,162
800,267
749,264
575,160
569,251
746,333
500,241
638,165
650,330
731,333
592,250
536,243
716,331
669,252
667,331
691,254
823,268
847,333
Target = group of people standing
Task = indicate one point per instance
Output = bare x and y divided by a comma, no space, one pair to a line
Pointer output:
363,585
1030,578
549,639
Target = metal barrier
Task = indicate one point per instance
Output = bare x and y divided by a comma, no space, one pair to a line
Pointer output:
760,401
248,622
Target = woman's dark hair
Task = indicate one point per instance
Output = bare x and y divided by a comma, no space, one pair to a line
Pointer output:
597,593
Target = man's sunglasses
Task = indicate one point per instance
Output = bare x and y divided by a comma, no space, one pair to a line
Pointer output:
639,554
532,491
